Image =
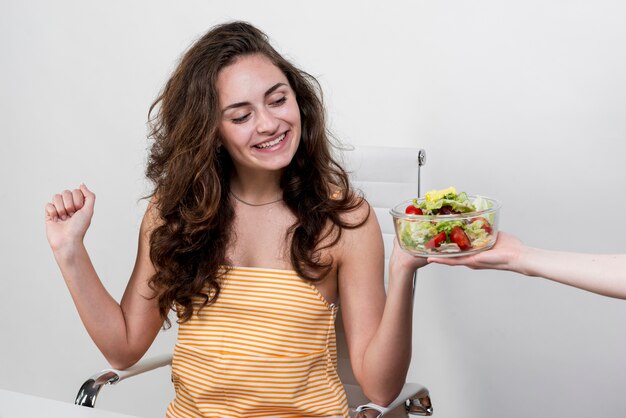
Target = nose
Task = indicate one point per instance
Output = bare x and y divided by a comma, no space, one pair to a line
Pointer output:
267,123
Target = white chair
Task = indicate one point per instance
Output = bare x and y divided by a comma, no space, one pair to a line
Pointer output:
386,176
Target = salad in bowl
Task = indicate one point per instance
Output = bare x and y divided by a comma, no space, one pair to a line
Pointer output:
446,223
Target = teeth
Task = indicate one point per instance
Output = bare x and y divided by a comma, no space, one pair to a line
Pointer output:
271,143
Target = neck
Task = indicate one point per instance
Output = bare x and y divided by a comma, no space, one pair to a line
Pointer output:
259,188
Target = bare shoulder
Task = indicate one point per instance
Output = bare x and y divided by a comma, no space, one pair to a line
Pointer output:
362,234
152,218
355,209
362,213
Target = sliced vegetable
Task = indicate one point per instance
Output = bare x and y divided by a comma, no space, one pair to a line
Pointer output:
483,223
460,238
436,241
414,234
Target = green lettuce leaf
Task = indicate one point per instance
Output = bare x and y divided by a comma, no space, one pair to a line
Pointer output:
475,230
458,203
483,204
414,234
447,226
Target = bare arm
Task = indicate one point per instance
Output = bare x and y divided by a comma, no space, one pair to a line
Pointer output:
604,274
378,327
123,332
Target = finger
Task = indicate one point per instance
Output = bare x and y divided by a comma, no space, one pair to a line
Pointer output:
68,201
57,200
51,213
446,261
90,197
78,198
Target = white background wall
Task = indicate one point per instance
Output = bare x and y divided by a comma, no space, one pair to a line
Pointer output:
523,101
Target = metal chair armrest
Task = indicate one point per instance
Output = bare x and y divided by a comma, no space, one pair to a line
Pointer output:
415,397
88,392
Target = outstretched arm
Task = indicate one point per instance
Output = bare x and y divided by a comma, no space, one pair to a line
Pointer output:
378,326
604,274
123,332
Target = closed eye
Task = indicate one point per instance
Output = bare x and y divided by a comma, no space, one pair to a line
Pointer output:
241,119
279,101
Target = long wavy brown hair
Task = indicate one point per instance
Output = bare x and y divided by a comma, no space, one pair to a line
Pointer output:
191,177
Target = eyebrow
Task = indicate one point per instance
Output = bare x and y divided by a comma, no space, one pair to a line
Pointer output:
267,93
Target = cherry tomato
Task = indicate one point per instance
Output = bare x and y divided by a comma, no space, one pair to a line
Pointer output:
436,240
460,238
412,210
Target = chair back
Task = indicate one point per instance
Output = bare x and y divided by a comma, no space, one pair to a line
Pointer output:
386,176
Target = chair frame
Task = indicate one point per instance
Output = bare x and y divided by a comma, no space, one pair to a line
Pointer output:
415,397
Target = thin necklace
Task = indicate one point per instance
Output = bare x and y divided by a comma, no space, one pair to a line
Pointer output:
253,204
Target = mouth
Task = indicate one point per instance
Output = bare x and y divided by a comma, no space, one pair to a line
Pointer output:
271,143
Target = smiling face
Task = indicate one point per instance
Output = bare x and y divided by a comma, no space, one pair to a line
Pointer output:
260,119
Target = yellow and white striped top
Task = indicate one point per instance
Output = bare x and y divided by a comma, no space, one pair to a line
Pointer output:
265,348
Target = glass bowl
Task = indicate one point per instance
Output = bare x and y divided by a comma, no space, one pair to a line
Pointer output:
452,235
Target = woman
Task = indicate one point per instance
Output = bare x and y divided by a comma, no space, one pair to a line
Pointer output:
604,274
252,235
